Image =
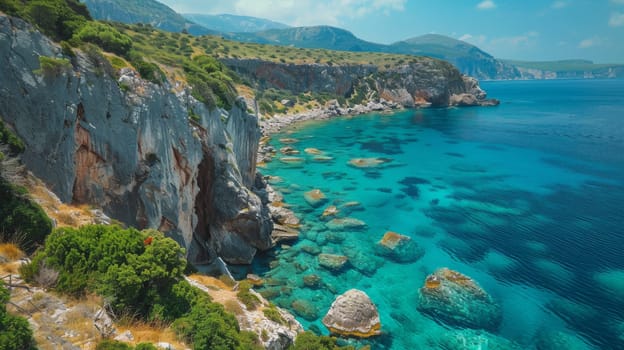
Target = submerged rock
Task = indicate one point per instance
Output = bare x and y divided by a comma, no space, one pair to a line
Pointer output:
332,261
469,339
312,281
367,162
322,159
288,140
292,160
457,300
399,248
353,314
330,211
305,309
313,151
289,151
345,224
315,197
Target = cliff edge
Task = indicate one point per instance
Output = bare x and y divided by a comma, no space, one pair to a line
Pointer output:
130,147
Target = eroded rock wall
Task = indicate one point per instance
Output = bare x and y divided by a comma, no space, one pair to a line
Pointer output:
426,81
133,151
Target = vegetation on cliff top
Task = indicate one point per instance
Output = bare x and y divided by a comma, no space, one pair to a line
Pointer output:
140,275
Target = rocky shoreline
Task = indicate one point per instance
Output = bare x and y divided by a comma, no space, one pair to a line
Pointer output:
285,221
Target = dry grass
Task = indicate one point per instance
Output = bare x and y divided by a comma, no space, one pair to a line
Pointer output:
211,282
11,251
80,322
146,333
63,214
10,268
234,307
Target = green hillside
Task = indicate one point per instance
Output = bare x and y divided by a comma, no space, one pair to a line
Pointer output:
319,37
233,24
150,12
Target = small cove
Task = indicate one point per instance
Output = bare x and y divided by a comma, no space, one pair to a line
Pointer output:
524,198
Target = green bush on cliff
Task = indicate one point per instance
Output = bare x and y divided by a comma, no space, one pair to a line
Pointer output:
104,36
21,220
59,19
308,341
13,142
139,272
15,332
52,66
209,327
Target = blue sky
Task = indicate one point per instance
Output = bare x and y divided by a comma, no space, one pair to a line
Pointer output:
527,30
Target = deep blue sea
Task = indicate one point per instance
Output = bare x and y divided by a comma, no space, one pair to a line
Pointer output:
527,198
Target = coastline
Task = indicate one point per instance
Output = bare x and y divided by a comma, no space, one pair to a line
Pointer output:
332,109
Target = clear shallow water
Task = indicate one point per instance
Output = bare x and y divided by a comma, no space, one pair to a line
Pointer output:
525,198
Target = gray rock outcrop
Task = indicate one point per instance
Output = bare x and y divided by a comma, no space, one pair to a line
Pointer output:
423,82
134,151
353,314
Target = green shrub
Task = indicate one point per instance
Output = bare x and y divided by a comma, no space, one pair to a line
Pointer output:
104,36
273,314
15,332
209,327
308,341
53,67
244,294
145,346
21,220
7,137
138,272
107,344
59,19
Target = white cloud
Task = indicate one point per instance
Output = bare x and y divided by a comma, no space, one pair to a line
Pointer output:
559,5
589,42
465,37
486,5
293,12
617,19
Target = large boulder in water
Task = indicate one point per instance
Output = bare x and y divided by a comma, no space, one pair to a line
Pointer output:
399,248
457,300
353,314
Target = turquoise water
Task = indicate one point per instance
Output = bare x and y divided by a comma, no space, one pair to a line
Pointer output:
525,198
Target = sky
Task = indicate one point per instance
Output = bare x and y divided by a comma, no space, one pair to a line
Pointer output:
512,29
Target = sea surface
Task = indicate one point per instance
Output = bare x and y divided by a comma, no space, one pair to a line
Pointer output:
526,198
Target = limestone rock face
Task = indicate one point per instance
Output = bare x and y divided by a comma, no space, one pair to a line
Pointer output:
353,314
424,82
135,153
457,300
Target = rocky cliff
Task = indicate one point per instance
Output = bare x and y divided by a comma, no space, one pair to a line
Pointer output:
133,151
424,81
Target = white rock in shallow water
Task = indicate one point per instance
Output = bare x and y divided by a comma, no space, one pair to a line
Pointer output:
315,197
353,314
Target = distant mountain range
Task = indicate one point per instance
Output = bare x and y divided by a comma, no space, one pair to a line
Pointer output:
232,23
468,58
144,11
